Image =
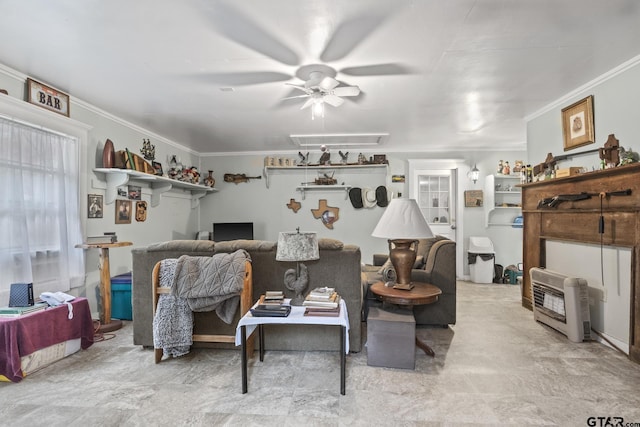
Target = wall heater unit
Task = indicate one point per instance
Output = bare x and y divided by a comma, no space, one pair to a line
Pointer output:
561,302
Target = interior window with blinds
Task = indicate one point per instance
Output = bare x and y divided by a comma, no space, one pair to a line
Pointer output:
39,209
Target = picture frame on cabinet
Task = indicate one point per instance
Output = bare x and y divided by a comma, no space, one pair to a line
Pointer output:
577,124
157,166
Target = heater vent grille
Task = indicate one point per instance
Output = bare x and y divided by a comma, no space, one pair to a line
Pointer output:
561,302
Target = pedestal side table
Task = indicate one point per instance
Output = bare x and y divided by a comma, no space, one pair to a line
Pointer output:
421,294
106,323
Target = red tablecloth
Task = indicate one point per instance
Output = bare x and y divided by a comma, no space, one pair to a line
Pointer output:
21,336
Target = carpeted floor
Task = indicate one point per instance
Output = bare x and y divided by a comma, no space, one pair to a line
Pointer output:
495,367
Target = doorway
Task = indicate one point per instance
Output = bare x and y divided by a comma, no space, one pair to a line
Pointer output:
434,186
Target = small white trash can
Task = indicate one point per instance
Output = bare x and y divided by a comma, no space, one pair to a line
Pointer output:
481,259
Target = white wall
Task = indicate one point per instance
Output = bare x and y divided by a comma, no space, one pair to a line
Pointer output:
173,219
616,97
584,261
267,207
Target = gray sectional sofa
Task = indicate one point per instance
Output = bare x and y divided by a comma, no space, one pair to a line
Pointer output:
339,266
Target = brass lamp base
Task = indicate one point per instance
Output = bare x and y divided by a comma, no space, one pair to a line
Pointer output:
402,253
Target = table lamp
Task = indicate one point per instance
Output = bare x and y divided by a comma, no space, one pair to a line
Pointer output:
402,223
297,247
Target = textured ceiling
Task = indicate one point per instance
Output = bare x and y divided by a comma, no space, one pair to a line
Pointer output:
435,75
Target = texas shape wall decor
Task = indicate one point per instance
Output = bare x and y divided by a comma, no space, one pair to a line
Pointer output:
327,214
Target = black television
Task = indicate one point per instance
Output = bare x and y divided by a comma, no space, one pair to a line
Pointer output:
224,231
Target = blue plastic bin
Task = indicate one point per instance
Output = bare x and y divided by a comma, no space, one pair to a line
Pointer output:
121,297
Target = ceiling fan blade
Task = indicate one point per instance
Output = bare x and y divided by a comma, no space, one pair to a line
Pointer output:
333,100
346,91
302,88
328,83
238,27
307,103
243,79
377,70
349,34
295,97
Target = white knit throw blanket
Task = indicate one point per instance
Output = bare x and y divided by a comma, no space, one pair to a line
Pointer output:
173,322
197,284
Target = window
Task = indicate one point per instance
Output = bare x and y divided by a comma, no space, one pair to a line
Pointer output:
39,208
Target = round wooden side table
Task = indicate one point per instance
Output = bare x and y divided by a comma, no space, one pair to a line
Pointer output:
421,294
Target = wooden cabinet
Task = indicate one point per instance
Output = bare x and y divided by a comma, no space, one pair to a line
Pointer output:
502,199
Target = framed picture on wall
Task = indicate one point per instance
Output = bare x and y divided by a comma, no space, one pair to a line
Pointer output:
95,206
473,198
577,124
123,211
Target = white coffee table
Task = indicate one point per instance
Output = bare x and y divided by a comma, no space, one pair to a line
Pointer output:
248,324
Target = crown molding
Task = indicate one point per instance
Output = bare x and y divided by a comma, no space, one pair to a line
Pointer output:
569,97
21,77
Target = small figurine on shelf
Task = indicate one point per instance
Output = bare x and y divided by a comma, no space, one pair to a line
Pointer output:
517,167
361,159
344,157
175,172
303,159
148,151
506,169
325,158
209,181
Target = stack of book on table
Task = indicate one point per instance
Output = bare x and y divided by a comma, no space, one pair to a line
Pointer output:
272,298
99,240
20,311
323,301
271,305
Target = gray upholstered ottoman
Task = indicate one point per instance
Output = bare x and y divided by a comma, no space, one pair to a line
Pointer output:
391,338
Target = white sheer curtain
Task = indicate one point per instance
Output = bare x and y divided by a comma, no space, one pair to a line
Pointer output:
39,209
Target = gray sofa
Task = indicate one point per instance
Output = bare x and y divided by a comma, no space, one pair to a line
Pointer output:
338,266
436,266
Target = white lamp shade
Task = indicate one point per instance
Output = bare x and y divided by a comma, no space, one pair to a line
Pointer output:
297,246
402,220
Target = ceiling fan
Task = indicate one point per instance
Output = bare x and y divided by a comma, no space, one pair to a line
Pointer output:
320,85
321,88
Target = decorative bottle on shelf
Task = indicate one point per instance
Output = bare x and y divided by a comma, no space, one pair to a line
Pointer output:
209,181
108,155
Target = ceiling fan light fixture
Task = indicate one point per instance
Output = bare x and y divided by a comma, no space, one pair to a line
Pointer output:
317,109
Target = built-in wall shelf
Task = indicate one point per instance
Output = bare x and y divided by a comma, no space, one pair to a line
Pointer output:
304,188
273,170
502,200
158,184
